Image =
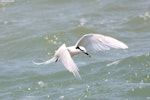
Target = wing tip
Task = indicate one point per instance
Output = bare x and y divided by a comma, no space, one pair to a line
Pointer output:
77,75
36,63
124,46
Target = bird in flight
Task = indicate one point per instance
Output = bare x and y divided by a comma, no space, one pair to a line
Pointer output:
95,42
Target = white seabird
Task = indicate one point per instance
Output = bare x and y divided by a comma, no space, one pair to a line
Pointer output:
95,42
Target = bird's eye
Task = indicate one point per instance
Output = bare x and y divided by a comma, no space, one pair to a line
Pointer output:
77,48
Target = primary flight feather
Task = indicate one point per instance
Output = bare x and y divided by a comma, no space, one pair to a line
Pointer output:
95,42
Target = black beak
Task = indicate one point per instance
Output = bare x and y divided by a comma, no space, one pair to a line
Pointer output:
83,51
87,54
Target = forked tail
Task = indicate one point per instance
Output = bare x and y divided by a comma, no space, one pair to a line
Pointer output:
54,59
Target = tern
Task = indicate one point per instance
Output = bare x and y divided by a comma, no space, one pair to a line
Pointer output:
95,42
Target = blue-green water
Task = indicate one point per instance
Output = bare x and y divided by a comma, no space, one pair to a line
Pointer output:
34,29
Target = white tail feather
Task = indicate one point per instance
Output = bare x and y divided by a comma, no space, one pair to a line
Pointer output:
46,62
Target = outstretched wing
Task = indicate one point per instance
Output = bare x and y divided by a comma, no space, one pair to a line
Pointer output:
100,42
65,58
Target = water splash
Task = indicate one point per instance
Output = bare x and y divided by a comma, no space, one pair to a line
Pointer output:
113,63
145,16
83,21
41,84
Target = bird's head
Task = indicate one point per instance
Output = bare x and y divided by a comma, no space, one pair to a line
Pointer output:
81,48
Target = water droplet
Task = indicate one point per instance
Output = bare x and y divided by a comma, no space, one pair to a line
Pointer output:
87,86
106,80
41,84
46,37
55,37
148,98
147,76
55,42
83,21
85,96
71,89
48,96
51,40
140,87
127,81
141,82
129,65
49,53
61,97
135,74
5,22
29,89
